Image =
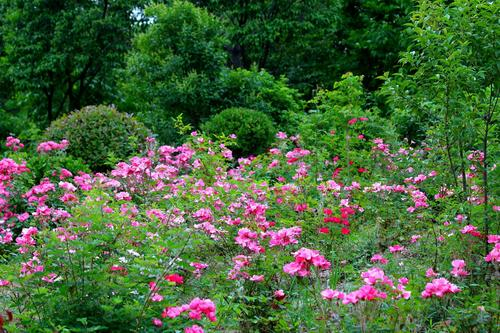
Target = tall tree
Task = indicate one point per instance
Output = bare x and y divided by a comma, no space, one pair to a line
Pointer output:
61,54
371,36
289,37
314,42
174,67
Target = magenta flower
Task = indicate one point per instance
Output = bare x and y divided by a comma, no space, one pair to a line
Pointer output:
439,288
494,255
304,259
194,329
396,248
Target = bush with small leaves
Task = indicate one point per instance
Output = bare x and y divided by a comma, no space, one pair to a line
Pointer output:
254,130
98,135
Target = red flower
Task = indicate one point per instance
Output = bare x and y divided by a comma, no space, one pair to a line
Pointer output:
345,231
332,219
324,230
175,278
336,172
119,269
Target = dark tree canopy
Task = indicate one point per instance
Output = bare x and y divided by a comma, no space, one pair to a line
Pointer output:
174,66
61,54
314,42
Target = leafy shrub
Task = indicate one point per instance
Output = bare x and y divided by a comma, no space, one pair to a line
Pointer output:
258,90
338,122
97,134
41,166
16,124
263,242
254,129
174,67
47,165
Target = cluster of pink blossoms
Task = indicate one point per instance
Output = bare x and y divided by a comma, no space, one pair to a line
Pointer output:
253,210
8,170
26,240
494,255
14,143
194,329
458,268
47,146
379,258
368,292
396,248
284,237
355,120
439,288
199,267
248,239
197,307
240,262
32,266
304,259
294,155
471,230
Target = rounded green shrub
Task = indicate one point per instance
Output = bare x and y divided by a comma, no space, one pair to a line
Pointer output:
254,129
258,90
99,135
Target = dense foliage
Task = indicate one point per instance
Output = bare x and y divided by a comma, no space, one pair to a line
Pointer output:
60,55
260,91
271,244
173,67
305,166
254,130
98,135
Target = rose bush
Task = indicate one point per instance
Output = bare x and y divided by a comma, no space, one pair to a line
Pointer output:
187,239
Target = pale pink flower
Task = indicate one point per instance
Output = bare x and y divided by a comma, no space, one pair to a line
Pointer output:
458,268
157,322
50,278
330,294
379,258
257,278
365,293
156,297
375,275
284,237
304,259
471,230
415,238
493,239
430,273
281,135
279,294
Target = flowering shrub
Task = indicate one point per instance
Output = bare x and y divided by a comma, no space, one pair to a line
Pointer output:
185,239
